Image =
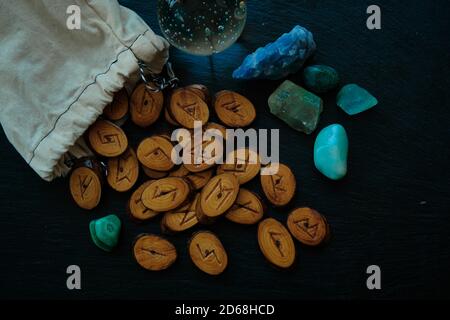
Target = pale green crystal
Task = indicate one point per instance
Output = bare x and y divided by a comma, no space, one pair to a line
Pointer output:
296,106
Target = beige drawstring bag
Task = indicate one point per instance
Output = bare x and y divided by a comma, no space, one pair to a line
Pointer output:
55,82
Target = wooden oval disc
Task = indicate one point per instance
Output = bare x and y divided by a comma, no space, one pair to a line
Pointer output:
123,171
107,139
136,207
197,92
85,187
155,153
203,153
234,110
201,217
118,108
153,252
153,174
308,226
207,253
201,90
222,92
202,165
166,194
146,106
169,118
248,208
217,196
181,219
276,243
180,172
166,136
195,168
216,126
186,108
279,188
244,164
197,179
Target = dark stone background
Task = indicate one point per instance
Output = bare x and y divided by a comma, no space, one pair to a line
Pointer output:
391,210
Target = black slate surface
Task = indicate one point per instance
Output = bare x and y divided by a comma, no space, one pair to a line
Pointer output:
391,210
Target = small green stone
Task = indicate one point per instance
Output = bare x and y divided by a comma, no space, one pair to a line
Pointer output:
105,232
331,152
320,78
353,99
94,238
296,106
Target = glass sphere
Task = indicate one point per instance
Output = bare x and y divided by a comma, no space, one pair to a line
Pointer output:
202,27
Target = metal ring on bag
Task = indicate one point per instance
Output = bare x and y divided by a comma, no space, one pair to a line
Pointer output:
158,82
153,82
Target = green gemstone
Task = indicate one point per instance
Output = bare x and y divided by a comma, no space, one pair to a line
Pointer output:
353,99
331,152
320,78
105,232
94,238
296,106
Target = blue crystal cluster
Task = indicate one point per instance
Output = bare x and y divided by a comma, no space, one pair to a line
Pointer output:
280,58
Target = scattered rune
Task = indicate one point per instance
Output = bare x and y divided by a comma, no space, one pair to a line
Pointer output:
197,179
118,108
279,187
276,243
153,252
169,118
135,207
308,226
242,163
200,90
145,106
107,139
234,110
248,208
210,131
217,197
199,162
181,219
166,194
218,127
153,174
155,153
202,191
186,107
207,253
85,183
123,171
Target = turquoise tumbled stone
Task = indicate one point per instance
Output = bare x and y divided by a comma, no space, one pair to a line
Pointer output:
296,106
105,232
320,78
331,151
353,99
